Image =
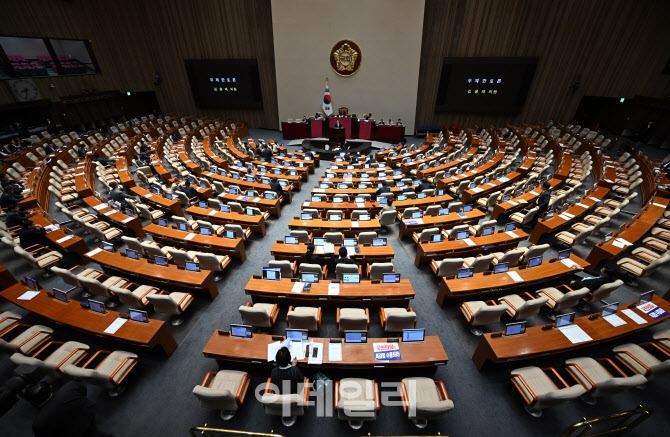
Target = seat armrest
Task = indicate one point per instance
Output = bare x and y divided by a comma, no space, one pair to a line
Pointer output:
442,391
318,317
377,396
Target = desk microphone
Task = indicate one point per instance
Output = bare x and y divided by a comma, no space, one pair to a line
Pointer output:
594,316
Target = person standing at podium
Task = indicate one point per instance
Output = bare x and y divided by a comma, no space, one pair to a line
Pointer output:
338,125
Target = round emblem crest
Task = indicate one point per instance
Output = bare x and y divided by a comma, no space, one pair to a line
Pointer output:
345,57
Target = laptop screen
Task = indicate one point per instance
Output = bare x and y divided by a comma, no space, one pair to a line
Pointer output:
241,331
309,277
413,335
350,242
515,328
60,295
161,261
138,316
565,319
296,334
501,268
291,240
563,254
610,309
378,242
390,278
351,278
96,306
355,336
488,231
272,274
192,266
535,261
465,273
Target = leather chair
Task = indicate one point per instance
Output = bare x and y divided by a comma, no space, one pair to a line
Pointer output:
539,391
366,237
425,235
520,309
558,301
424,399
455,207
71,352
662,338
180,256
153,250
577,238
532,251
313,213
133,244
136,298
407,213
446,267
432,210
601,293
640,360
511,256
354,319
174,303
477,230
7,320
376,270
190,224
316,269
102,289
480,263
224,390
597,380
638,267
25,342
211,261
39,257
302,236
288,406
336,238
109,374
479,313
308,318
356,400
259,315
342,269
397,319
239,231
288,268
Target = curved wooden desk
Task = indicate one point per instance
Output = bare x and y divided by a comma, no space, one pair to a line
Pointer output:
116,218
400,205
448,165
536,342
159,202
485,190
346,207
170,277
348,227
427,354
72,315
481,286
367,254
456,180
62,239
303,172
521,202
408,226
255,222
295,180
168,236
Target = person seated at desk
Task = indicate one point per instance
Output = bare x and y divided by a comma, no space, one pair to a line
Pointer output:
10,197
7,182
388,207
105,162
81,151
399,123
344,257
304,119
368,116
285,375
381,123
117,195
383,189
596,280
310,257
16,217
189,190
423,185
317,116
267,153
31,235
13,147
341,113
48,149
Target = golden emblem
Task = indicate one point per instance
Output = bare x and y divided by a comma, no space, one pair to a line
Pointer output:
345,58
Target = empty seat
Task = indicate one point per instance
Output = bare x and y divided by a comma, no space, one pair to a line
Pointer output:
316,269
557,300
396,319
376,270
336,238
424,399
539,391
308,318
109,374
8,319
71,352
356,319
597,380
259,315
174,303
479,313
27,341
224,390
446,267
356,400
641,361
136,298
520,309
288,268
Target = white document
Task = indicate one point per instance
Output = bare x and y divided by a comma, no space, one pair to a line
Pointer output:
354,224
28,295
316,349
116,324
491,184
351,251
624,242
617,243
273,348
320,250
126,220
148,195
190,236
512,202
305,204
94,252
419,221
515,276
581,205
319,190
100,206
256,199
575,334
240,197
477,190
212,212
335,351
360,205
594,199
110,212
329,248
333,289
615,320
564,216
61,240
658,204
567,214
512,234
570,263
297,287
469,242
634,317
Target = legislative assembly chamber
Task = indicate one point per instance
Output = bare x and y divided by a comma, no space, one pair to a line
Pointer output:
310,218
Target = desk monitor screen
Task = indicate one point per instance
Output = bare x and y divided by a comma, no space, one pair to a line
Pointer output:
510,227
251,193
249,211
202,204
350,242
417,214
421,196
437,238
610,309
338,200
363,185
241,331
230,234
535,261
319,241
467,208
398,173
291,240
364,217
350,167
192,266
270,196
646,297
489,230
355,336
358,199
400,184
565,319
501,268
462,235
413,335
234,190
309,278
96,306
315,199
517,328
132,254
440,192
156,190
465,273
250,179
390,278
305,216
162,222
335,218
108,247
296,334
182,227
161,261
272,273
138,316
506,197
443,211
608,236
129,212
273,161
382,200
225,208
379,242
212,169
204,230
563,254
473,185
351,278
60,295
223,173
550,215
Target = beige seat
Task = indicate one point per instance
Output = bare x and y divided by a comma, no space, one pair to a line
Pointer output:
524,218
479,313
109,374
239,231
453,232
532,252
98,288
662,338
313,213
146,213
376,270
575,238
192,224
27,341
174,303
308,318
597,380
455,207
288,406
151,250
336,238
7,320
366,237
425,235
638,267
343,269
137,297
641,361
446,267
396,319
601,293
480,263
520,309
356,400
511,256
424,399
477,230
539,391
316,269
40,257
302,236
224,390
558,301
108,234
211,261
407,213
259,315
387,218
288,268
71,352
180,256
354,319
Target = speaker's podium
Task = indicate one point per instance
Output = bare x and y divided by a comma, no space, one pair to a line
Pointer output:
336,135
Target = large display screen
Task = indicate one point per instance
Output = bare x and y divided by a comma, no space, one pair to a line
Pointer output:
485,84
225,83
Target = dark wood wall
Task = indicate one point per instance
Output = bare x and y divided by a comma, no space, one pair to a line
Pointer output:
135,39
616,47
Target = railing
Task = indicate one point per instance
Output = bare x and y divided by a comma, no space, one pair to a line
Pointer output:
624,421
198,431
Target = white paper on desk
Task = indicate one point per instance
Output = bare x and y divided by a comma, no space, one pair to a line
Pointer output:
658,204
491,184
148,195
319,190
28,295
617,243
94,252
116,324
61,240
329,248
273,348
351,251
575,334
297,287
419,221
360,205
100,206
477,190
79,174
515,276
614,320
190,236
534,193
126,220
305,204
354,224
564,216
567,214
570,263
333,289
256,199
634,317
240,197
110,212
469,242
581,205
335,351
512,234
318,360
320,250
594,199
512,202
624,242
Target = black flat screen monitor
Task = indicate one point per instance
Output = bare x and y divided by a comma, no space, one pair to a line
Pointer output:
390,278
563,254
379,242
202,204
351,278
413,335
355,336
310,278
610,309
646,297
183,227
107,247
319,241
510,227
161,261
500,268
224,208
305,216
271,274
565,319
350,242
204,230
517,328
230,234
60,295
192,266
465,273
296,334
132,254
535,261
225,83
437,238
241,331
162,222
462,235
96,306
364,217
138,316
291,240
489,230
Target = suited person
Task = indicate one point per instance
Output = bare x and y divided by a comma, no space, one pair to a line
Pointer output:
338,125
267,154
117,195
542,203
423,185
189,190
31,235
344,257
276,187
381,190
596,280
16,217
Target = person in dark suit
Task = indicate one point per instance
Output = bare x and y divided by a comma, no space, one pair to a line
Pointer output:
16,217
285,375
596,280
117,195
267,154
399,123
344,257
310,257
48,149
276,187
10,197
104,162
338,125
189,190
542,203
31,235
423,185
383,189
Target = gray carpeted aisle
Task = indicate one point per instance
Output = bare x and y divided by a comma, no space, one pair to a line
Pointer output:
158,400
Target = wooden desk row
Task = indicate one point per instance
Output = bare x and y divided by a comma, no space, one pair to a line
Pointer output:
409,226
159,202
114,217
294,179
348,227
367,254
448,165
255,222
346,207
244,185
168,236
456,180
485,190
273,206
